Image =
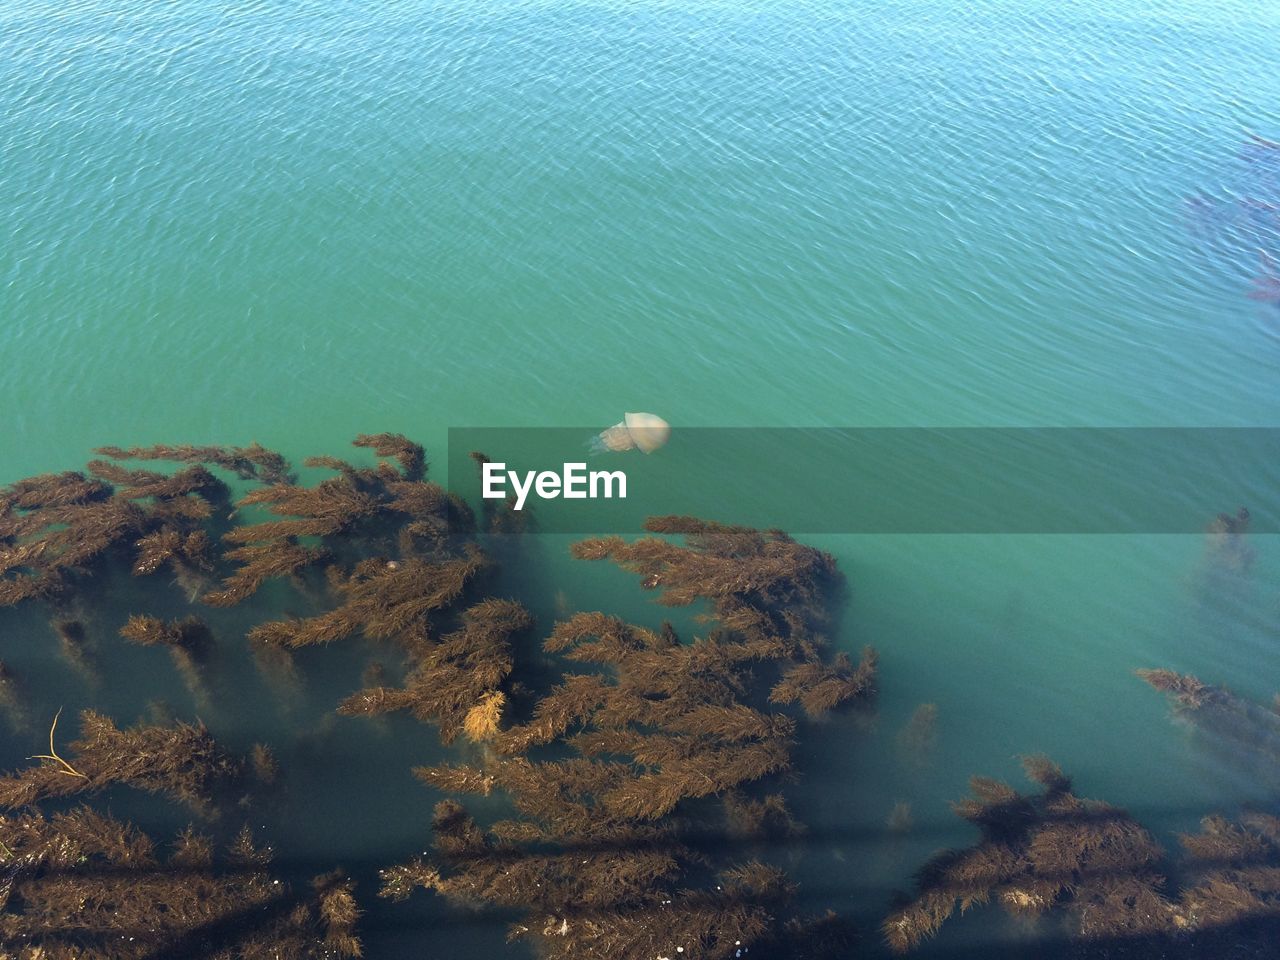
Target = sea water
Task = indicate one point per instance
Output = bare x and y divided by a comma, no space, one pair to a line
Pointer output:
293,223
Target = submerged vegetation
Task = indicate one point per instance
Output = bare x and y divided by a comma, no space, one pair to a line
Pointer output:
611,788
623,772
456,682
607,856
1054,852
1051,850
1241,728
181,762
1242,222
81,885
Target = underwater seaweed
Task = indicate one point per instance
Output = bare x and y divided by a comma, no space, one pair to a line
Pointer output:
918,737
181,761
191,634
188,641
768,817
1240,726
59,530
81,885
626,773
75,648
357,516
1096,865
1041,852
360,498
766,590
732,566
13,702
1236,872
613,899
253,462
395,446
1227,545
597,860
900,818
382,599
821,687
55,529
1241,225
455,682
258,563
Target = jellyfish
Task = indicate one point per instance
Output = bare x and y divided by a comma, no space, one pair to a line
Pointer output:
637,431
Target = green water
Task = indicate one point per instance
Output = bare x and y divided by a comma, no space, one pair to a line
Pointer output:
298,222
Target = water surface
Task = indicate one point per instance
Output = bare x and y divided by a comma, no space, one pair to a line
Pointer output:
298,222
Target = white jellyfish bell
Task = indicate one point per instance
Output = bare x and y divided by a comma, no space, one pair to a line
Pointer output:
637,431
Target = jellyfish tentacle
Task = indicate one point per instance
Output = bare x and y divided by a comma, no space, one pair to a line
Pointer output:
637,431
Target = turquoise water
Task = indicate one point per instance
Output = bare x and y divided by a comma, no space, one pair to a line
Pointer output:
298,222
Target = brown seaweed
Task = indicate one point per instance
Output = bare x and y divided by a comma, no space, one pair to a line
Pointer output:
182,762
360,500
190,635
767,817
75,648
1238,724
1227,545
188,641
614,898
919,735
1093,863
361,511
253,462
457,682
189,555
1052,850
395,446
55,529
764,588
900,819
737,568
821,687
646,746
83,886
596,860
1235,873
672,709
13,702
258,563
381,598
